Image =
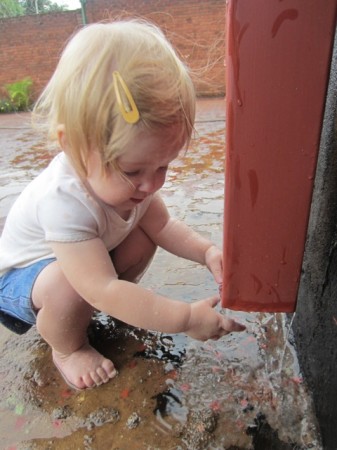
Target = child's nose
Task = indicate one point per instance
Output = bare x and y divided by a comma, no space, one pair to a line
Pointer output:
152,183
148,185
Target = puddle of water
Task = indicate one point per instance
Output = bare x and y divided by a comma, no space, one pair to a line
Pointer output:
242,392
22,157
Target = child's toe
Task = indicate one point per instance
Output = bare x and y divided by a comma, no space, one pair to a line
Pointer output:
109,368
103,376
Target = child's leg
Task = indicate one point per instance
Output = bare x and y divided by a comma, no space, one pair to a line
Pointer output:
63,316
62,320
133,256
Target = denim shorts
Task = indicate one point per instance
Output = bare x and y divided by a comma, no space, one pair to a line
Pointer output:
16,291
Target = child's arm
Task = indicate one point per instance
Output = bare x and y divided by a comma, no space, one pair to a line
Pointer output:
88,268
178,238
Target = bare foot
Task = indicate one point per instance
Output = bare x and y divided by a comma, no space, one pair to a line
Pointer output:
85,368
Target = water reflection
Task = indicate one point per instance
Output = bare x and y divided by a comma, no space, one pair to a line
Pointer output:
22,157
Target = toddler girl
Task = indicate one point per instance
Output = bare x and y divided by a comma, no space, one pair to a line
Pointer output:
121,107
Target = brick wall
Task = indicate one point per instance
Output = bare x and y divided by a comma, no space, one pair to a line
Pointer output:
196,28
31,45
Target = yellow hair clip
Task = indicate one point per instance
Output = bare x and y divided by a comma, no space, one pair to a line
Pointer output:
126,104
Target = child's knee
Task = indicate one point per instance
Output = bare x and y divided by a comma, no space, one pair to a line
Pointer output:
51,286
136,250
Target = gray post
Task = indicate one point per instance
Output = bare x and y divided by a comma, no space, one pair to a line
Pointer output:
83,11
315,322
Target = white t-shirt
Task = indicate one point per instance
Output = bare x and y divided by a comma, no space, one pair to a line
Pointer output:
56,206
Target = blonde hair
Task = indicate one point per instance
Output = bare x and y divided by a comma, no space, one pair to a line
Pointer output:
81,95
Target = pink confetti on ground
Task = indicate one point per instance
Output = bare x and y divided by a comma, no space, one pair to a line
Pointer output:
57,423
132,364
215,405
66,393
244,403
19,423
297,380
125,393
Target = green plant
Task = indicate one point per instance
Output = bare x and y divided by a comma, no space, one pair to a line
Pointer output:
6,106
10,8
19,93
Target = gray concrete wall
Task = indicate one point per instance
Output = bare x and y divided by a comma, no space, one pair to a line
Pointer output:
315,322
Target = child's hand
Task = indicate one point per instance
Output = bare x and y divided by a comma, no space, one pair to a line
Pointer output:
213,260
206,323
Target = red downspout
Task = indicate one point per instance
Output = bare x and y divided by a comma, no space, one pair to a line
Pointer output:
278,59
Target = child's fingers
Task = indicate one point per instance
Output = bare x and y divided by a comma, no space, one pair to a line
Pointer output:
213,301
216,269
218,278
230,325
217,337
217,274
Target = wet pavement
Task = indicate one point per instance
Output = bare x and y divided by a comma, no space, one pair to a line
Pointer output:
244,391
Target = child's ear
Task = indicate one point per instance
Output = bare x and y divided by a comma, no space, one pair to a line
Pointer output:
62,137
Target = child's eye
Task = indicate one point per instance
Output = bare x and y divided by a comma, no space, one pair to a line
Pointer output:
132,174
